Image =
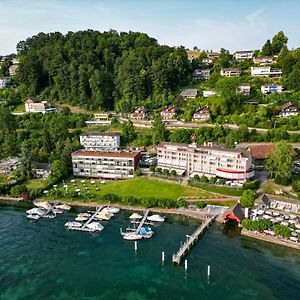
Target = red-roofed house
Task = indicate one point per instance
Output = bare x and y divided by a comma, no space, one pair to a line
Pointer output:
260,152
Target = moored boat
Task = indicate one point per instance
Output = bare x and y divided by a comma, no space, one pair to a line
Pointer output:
156,218
131,236
73,224
96,226
36,211
113,209
135,216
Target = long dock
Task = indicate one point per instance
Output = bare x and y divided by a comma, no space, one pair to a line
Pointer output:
142,221
186,246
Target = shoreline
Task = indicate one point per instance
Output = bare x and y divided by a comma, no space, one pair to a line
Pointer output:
270,239
171,211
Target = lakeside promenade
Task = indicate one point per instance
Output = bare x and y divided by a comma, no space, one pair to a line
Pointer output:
270,239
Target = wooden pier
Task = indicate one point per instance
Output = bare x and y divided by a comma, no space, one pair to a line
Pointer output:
187,245
83,227
142,221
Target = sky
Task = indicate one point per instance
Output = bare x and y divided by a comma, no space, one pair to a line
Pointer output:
207,24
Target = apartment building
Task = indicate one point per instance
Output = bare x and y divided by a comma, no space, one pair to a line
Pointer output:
265,71
243,55
208,160
229,72
105,164
263,61
99,119
95,141
271,88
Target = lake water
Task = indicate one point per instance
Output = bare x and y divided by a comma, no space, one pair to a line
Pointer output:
43,260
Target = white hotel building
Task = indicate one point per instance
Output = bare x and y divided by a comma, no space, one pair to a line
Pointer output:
95,141
105,164
208,160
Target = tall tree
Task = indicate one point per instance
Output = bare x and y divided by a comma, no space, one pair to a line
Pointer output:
159,131
280,162
278,42
24,170
267,49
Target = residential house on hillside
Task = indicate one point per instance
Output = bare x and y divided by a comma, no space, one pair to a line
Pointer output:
95,140
13,70
265,71
189,93
105,164
260,152
229,72
243,55
263,61
213,55
168,113
208,93
288,110
140,113
201,114
201,74
244,89
41,170
33,105
271,88
4,81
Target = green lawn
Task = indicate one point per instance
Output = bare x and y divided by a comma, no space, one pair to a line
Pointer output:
223,190
141,187
20,108
35,184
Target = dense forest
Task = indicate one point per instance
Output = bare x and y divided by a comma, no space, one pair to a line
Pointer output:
101,70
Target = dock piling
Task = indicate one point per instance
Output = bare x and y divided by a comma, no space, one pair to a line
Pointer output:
208,271
185,265
163,257
135,246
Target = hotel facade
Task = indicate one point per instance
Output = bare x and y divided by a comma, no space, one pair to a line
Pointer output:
208,160
105,164
100,140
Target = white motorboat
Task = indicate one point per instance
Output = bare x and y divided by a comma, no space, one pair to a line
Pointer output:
73,224
135,216
33,217
95,226
113,209
156,218
63,206
81,219
58,211
85,215
42,204
106,212
36,211
131,236
102,215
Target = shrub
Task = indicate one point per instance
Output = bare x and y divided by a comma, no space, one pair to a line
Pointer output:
17,190
173,173
222,181
200,204
138,173
296,185
282,231
111,197
165,171
158,170
213,180
204,179
196,177
152,169
251,185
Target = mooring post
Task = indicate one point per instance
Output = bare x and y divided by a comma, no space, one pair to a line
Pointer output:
185,264
163,257
208,271
135,245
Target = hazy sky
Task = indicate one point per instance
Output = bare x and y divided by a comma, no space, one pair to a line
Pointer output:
207,24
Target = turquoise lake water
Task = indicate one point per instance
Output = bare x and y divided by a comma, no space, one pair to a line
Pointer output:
43,260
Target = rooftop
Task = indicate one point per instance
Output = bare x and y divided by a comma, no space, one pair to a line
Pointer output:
98,133
261,151
120,154
189,93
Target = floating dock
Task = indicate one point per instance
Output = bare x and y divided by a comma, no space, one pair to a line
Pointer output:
187,245
92,217
142,221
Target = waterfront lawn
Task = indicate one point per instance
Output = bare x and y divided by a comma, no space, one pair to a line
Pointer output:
223,190
36,184
139,187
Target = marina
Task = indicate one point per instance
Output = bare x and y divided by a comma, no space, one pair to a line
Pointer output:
191,240
47,260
